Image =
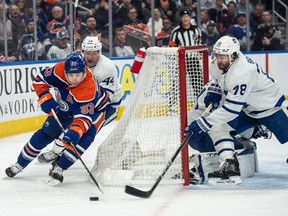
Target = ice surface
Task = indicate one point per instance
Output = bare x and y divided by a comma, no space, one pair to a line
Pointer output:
28,194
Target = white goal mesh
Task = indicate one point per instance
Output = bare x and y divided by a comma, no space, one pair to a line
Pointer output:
150,129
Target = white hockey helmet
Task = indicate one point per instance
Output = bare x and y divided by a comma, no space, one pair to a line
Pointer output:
227,45
91,43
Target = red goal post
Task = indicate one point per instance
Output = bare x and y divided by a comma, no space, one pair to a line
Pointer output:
152,124
183,100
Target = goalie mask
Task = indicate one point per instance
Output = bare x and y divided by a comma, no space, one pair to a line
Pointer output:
227,45
91,44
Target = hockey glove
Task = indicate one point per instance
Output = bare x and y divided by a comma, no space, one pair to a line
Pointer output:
214,96
47,103
70,138
199,128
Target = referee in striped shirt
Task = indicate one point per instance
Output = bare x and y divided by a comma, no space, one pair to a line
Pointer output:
185,34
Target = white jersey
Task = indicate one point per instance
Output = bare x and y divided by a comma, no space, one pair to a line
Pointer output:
106,74
247,88
57,53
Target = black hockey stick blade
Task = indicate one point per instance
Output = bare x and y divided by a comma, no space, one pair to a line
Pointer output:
146,194
136,192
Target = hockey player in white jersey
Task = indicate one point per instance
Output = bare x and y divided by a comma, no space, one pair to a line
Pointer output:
251,98
105,72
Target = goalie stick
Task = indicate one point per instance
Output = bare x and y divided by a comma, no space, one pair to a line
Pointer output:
75,150
146,194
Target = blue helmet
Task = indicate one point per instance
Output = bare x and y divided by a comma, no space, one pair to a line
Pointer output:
75,63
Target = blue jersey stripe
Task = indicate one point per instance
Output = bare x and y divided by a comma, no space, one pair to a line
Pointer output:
236,102
229,110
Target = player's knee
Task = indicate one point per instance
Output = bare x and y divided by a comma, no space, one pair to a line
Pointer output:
204,144
40,139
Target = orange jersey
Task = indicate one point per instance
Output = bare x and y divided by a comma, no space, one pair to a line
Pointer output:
82,102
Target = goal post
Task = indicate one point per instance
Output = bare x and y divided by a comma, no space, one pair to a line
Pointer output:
155,115
184,65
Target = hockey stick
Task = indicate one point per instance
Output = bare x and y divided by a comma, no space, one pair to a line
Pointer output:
146,194
75,150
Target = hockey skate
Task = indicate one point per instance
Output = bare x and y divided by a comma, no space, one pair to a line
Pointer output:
48,157
229,172
56,174
13,170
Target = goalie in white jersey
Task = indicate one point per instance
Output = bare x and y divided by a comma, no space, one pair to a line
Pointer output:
104,71
250,98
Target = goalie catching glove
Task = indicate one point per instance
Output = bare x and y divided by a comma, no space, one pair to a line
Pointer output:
47,103
71,137
199,128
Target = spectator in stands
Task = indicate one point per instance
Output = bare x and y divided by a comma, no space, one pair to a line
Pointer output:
24,10
239,31
7,26
121,13
158,25
26,45
48,6
58,23
146,10
256,16
60,48
105,43
18,26
217,12
210,35
162,39
137,26
91,25
185,34
42,17
169,8
120,47
227,19
265,18
101,14
260,31
241,7
190,5
204,19
272,39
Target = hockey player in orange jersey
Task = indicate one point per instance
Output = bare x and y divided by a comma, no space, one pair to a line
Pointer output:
79,103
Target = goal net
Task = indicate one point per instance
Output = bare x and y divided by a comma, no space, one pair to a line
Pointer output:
152,124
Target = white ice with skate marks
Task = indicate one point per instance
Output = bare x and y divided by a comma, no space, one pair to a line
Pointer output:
264,194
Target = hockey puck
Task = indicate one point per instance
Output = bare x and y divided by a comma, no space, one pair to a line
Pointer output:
94,198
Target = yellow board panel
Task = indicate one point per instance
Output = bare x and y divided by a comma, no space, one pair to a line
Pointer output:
11,128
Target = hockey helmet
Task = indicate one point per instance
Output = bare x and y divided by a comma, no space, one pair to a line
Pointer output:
91,43
227,45
75,63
